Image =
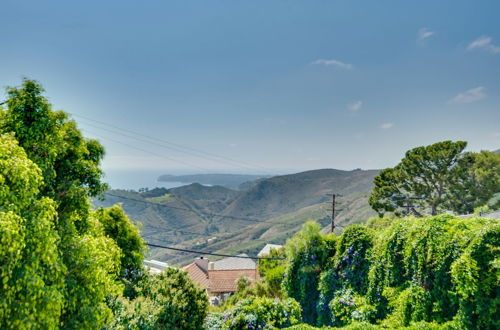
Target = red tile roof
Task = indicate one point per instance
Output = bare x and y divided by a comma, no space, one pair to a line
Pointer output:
225,280
197,274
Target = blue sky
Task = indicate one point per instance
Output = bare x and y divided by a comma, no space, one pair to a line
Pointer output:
276,85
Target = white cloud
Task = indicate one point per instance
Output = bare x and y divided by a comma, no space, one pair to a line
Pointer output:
424,33
354,107
471,95
386,125
332,62
484,43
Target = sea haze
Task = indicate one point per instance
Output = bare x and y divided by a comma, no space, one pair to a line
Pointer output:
136,179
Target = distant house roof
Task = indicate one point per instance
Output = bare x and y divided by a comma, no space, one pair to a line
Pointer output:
155,266
266,250
235,263
492,215
221,276
225,280
197,274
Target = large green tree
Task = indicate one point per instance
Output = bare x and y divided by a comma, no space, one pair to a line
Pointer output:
437,178
89,251
69,162
31,270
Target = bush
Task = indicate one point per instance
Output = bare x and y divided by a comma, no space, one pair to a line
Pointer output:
169,300
347,306
257,313
272,271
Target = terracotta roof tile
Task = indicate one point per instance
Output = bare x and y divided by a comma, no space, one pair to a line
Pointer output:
197,274
225,280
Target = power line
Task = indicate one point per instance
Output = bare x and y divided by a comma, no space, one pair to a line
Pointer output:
256,221
212,254
203,213
186,209
172,146
178,231
149,142
150,152
181,148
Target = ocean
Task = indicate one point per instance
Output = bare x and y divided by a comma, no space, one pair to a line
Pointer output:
136,179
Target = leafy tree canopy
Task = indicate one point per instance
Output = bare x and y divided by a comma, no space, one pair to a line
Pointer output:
31,270
62,263
117,226
69,162
437,178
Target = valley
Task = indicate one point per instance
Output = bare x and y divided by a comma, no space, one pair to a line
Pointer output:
266,210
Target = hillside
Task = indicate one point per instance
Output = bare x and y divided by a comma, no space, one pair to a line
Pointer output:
217,218
286,193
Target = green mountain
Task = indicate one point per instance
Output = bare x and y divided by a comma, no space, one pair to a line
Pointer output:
216,218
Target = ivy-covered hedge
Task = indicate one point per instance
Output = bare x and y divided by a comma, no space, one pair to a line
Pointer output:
434,271
346,273
308,253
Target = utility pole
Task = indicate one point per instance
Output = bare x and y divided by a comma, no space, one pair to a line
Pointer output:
333,212
409,202
334,202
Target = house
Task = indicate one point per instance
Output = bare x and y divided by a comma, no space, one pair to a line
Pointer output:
219,278
266,250
491,215
154,266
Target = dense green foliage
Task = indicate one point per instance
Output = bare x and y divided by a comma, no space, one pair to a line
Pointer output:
31,271
307,253
60,264
245,289
346,272
437,270
494,202
69,162
117,226
273,271
166,301
257,313
442,176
